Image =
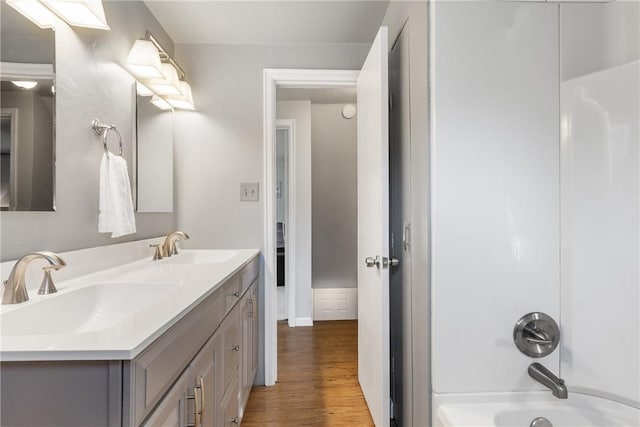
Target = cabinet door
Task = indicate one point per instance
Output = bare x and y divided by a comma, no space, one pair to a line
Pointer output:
203,381
229,406
249,352
232,344
170,412
255,330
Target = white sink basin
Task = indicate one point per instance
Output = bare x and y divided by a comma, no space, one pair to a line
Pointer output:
214,256
90,308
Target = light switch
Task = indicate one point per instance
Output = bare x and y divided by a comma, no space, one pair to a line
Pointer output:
249,191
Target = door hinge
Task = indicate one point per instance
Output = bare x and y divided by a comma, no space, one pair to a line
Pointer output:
406,236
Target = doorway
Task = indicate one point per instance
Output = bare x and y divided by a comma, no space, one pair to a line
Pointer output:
299,234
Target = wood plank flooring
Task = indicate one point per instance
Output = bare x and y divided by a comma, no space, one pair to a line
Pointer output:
317,380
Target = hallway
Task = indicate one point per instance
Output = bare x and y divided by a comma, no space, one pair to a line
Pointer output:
317,380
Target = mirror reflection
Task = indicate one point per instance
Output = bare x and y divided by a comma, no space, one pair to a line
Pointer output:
27,98
154,157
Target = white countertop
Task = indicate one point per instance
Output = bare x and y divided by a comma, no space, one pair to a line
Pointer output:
79,322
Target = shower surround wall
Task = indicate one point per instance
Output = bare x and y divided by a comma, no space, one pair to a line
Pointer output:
495,211
512,202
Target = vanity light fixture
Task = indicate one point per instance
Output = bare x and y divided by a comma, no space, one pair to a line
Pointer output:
160,103
184,102
80,13
169,85
144,60
34,11
25,84
142,90
169,90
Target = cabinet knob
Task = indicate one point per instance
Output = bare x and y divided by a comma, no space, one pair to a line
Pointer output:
234,294
235,347
233,420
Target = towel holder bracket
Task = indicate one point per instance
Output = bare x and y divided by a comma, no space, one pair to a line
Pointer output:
103,129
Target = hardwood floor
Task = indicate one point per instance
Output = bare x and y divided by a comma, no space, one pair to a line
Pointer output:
317,380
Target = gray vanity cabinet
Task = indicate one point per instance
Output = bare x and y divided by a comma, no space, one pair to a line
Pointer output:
205,363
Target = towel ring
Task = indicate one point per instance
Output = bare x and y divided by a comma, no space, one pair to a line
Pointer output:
102,129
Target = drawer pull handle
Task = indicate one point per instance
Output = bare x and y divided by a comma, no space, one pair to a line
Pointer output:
234,294
235,347
202,401
197,412
250,313
234,420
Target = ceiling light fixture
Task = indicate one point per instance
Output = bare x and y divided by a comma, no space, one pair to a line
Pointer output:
80,13
25,84
35,12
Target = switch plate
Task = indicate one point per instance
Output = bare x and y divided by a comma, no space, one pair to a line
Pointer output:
249,192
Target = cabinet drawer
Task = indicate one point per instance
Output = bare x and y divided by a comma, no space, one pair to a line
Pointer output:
158,367
171,412
249,274
231,292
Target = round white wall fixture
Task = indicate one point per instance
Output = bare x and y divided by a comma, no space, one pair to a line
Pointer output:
349,111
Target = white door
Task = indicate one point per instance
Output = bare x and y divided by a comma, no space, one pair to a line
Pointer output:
373,230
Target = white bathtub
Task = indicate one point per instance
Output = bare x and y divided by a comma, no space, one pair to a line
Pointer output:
519,409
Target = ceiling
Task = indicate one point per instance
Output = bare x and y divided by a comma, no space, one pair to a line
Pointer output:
269,22
318,96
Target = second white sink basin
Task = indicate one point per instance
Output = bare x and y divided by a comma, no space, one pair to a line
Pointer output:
90,308
204,256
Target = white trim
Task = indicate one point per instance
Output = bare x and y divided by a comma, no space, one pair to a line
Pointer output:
304,321
286,78
19,70
290,230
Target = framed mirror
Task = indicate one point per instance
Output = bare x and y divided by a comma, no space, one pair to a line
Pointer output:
27,118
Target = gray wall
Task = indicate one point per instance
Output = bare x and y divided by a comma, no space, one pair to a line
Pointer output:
221,144
334,198
414,15
91,82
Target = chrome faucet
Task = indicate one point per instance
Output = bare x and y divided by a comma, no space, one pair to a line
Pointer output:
547,379
169,246
15,289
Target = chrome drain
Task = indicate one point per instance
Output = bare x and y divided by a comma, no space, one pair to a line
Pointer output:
541,422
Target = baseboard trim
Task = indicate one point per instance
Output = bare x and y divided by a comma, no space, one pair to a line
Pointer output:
304,321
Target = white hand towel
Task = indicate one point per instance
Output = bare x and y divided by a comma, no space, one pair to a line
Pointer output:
116,208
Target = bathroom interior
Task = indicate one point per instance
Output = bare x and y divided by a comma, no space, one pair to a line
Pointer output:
511,156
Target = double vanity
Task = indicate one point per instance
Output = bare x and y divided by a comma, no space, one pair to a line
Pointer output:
170,342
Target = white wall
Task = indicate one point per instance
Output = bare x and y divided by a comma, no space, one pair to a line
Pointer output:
335,217
300,111
90,82
495,188
600,208
221,144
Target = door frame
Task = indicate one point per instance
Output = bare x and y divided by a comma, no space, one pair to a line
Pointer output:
284,78
290,224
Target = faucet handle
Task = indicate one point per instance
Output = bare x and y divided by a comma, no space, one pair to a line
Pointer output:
157,253
47,286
